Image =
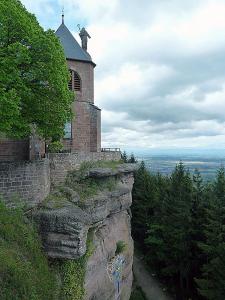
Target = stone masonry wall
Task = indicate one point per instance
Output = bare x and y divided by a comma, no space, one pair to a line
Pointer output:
95,128
12,150
29,181
81,127
61,163
86,128
86,73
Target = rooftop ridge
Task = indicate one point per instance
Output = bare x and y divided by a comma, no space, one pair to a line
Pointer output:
72,48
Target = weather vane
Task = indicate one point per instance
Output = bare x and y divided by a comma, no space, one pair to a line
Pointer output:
63,15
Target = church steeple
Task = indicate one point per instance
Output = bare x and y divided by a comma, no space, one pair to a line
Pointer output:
72,49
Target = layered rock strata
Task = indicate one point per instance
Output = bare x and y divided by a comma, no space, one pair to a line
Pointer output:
65,220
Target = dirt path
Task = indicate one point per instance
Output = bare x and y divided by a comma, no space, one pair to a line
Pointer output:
149,285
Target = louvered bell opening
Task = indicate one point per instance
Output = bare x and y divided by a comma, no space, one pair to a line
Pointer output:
70,82
77,82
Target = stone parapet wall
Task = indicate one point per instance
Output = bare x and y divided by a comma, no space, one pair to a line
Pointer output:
29,181
61,163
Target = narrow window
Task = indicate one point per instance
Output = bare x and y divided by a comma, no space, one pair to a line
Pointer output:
77,81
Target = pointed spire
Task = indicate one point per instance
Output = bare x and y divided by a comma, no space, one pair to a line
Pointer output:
63,15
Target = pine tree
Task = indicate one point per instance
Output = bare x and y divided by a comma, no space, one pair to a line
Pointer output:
212,283
143,202
124,157
178,220
198,219
156,249
132,159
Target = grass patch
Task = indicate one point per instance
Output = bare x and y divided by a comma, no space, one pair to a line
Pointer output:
77,181
86,187
54,201
91,186
113,164
25,273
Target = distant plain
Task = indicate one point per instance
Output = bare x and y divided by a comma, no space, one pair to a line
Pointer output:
164,161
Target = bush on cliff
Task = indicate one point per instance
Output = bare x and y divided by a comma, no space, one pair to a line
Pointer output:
24,271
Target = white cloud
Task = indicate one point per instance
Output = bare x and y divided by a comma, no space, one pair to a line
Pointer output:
160,68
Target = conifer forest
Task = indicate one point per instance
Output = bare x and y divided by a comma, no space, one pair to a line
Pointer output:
179,225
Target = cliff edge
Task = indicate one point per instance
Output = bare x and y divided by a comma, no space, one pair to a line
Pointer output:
85,228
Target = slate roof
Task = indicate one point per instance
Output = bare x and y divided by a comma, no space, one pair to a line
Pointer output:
71,47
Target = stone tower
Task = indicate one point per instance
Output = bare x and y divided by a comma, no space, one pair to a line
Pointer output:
83,133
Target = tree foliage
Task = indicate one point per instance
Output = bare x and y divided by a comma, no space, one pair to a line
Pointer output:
33,78
179,222
126,159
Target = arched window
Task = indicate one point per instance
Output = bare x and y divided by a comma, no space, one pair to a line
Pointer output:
70,84
75,81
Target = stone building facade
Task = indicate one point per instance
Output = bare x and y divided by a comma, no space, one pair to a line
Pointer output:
84,132
12,150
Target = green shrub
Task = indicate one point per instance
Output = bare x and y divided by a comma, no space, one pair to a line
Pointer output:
120,247
87,187
24,271
73,274
55,147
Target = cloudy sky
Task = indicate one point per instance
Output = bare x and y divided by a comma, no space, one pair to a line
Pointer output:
160,75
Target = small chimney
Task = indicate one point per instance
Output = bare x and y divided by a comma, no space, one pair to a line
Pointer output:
84,38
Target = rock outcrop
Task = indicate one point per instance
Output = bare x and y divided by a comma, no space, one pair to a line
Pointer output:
66,217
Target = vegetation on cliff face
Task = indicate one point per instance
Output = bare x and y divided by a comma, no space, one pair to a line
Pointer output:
179,223
78,186
121,246
88,187
73,274
24,270
34,76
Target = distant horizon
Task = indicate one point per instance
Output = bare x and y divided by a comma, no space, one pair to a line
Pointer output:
206,161
173,150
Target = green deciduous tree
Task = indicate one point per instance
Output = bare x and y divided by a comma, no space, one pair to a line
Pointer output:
33,78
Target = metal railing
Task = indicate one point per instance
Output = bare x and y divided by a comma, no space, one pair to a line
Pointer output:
111,150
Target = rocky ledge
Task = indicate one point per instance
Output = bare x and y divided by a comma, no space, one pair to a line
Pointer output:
70,212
